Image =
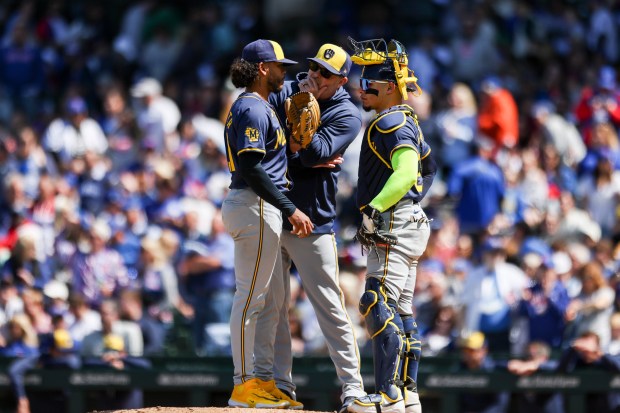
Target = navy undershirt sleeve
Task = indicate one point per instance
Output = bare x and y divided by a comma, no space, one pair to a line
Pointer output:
256,177
429,169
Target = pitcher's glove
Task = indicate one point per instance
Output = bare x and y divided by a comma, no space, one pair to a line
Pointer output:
372,232
303,116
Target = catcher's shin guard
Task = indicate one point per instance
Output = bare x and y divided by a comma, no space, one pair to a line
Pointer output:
383,322
412,353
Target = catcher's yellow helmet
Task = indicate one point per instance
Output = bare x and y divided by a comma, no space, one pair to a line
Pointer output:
386,61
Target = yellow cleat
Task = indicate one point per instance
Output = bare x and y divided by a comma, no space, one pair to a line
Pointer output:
250,394
270,387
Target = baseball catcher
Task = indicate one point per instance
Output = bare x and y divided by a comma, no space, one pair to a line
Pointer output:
396,169
303,116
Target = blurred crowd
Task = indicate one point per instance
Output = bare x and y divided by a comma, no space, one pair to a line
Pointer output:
113,166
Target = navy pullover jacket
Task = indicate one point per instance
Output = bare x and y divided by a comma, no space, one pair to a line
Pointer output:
314,189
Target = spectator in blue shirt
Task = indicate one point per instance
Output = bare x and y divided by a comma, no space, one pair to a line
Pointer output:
121,129
544,305
57,351
478,186
538,358
27,267
585,352
92,182
153,331
22,71
19,338
126,238
207,271
99,272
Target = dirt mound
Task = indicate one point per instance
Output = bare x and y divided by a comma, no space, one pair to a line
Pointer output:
159,409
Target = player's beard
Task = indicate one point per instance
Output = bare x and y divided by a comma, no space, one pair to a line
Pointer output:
275,85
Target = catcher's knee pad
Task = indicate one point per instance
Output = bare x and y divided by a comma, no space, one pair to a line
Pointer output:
411,353
382,323
374,307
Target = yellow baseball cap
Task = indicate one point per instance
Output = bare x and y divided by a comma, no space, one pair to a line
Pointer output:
63,340
334,59
113,342
473,341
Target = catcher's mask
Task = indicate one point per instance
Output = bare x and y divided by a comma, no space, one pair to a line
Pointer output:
382,71
383,61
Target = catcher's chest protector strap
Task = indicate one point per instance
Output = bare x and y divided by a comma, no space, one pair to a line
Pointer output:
389,122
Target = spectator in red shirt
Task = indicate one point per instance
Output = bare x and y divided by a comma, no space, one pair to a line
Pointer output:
498,117
598,104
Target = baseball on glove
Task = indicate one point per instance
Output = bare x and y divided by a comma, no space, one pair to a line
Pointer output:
371,232
303,116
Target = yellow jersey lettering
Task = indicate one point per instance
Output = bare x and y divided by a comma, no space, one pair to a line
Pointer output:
231,163
280,138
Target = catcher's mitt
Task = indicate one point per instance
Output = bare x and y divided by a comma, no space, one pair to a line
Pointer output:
303,116
372,232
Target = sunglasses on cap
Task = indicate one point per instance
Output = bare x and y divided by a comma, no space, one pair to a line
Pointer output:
315,67
365,83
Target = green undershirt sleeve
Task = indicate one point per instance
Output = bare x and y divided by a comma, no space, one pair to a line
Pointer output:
405,165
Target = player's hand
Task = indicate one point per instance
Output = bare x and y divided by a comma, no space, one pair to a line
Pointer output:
294,146
373,218
515,366
26,276
302,226
185,309
23,405
331,163
572,310
588,347
309,85
611,105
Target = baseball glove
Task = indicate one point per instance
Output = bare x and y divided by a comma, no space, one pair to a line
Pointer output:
303,116
371,232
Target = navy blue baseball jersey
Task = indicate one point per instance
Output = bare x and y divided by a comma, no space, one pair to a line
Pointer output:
395,128
253,125
314,189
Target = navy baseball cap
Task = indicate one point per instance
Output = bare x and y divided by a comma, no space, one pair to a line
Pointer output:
76,105
334,59
491,83
493,244
262,50
382,71
607,78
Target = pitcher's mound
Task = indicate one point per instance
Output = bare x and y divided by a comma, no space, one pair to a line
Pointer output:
202,410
